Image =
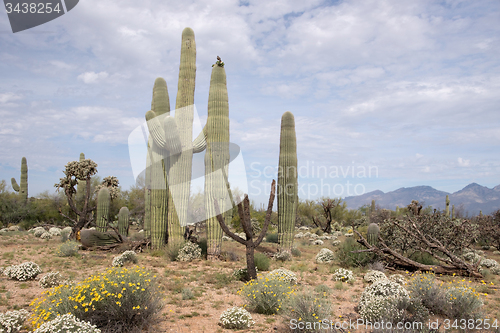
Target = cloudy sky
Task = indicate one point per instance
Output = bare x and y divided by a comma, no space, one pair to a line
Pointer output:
403,93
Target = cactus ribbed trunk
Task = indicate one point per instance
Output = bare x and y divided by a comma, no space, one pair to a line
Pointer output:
160,163
217,160
123,221
147,193
452,211
102,214
22,189
181,164
287,182
447,206
372,233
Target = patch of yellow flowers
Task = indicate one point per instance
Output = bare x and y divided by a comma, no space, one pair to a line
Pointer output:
114,291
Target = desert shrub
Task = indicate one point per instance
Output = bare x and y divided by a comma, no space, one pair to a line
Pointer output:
52,279
236,318
172,250
325,256
296,252
67,323
12,321
398,278
266,295
317,242
229,256
307,308
380,299
495,270
343,275
25,271
424,258
424,287
241,274
55,231
262,262
347,258
323,290
489,263
373,276
272,238
283,274
376,266
283,256
187,293
127,256
202,243
68,249
462,301
46,236
38,231
118,300
189,252
65,233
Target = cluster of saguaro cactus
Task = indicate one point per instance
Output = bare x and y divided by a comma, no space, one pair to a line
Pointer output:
372,233
170,152
123,221
102,214
287,182
22,189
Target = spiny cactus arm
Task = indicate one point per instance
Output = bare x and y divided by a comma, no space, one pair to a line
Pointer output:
15,186
244,213
224,226
155,129
268,214
200,143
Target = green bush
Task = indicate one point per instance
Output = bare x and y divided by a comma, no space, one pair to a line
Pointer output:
308,308
267,295
262,262
172,250
424,258
296,252
346,258
187,293
118,300
424,288
68,249
272,238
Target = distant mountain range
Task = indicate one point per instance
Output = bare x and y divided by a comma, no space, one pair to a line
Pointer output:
470,200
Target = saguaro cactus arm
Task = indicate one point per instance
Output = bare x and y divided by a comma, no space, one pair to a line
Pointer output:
15,186
200,143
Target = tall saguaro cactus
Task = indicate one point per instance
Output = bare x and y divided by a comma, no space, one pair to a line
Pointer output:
102,214
22,189
287,182
123,221
217,158
447,206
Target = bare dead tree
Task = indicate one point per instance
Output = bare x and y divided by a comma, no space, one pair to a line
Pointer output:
249,242
328,206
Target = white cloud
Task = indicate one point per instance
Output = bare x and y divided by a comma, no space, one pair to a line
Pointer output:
7,98
462,162
92,77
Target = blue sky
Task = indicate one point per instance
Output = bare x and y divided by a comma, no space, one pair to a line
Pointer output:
406,88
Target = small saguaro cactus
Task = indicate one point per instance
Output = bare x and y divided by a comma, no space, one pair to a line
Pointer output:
123,221
452,211
287,182
102,215
447,213
372,207
23,188
372,233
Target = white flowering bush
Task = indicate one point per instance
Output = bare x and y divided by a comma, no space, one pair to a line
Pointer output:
189,251
299,235
489,263
67,323
226,238
55,231
495,270
283,274
52,279
12,321
472,256
380,299
373,276
25,271
127,256
38,231
325,256
283,256
343,275
398,278
46,235
318,242
236,317
336,242
242,274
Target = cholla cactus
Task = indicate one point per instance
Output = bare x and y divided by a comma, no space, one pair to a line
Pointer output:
189,252
325,256
236,318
